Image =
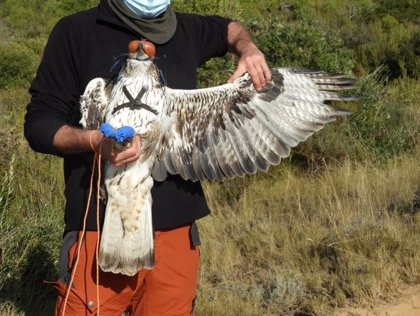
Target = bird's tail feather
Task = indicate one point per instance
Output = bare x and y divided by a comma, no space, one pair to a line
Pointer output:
126,244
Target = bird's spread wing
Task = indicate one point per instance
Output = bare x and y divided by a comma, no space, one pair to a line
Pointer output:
233,129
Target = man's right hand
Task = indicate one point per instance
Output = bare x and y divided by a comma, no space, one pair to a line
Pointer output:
74,140
116,157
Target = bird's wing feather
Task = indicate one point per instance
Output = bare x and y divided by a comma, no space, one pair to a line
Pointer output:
232,130
93,103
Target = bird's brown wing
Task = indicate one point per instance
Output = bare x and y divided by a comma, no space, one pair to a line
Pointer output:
232,130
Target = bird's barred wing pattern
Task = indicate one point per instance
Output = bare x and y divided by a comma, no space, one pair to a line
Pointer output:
93,103
232,130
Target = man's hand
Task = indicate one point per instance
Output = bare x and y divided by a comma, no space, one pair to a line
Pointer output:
251,59
70,140
116,157
253,62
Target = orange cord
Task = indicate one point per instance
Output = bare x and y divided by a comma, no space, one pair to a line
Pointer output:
91,145
97,157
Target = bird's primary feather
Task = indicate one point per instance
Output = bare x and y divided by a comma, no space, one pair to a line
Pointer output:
214,133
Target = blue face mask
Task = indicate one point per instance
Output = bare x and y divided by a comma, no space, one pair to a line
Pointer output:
147,9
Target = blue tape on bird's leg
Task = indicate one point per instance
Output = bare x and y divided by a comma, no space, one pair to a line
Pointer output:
123,134
107,130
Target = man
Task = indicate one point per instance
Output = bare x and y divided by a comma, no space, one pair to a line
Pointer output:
80,48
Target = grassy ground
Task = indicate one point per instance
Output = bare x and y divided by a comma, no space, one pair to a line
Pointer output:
303,243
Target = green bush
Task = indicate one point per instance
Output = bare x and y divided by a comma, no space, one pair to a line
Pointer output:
36,18
378,33
302,44
381,122
17,64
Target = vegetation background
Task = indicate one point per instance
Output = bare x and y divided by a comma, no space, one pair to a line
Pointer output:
336,224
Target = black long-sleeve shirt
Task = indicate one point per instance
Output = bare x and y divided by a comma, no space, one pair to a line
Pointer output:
82,47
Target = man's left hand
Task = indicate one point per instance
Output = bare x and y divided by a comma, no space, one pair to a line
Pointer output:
253,62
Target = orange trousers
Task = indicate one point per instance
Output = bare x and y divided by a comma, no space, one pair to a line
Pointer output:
168,289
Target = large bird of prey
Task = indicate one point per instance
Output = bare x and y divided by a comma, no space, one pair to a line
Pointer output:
213,133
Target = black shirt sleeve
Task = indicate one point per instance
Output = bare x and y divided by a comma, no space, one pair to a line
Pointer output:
55,90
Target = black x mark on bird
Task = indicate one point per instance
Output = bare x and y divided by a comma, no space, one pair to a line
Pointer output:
134,104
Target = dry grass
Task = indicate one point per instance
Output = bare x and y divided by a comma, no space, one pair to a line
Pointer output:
9,309
302,243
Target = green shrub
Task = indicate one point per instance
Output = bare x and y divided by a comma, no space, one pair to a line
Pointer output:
383,124
302,44
17,64
36,18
